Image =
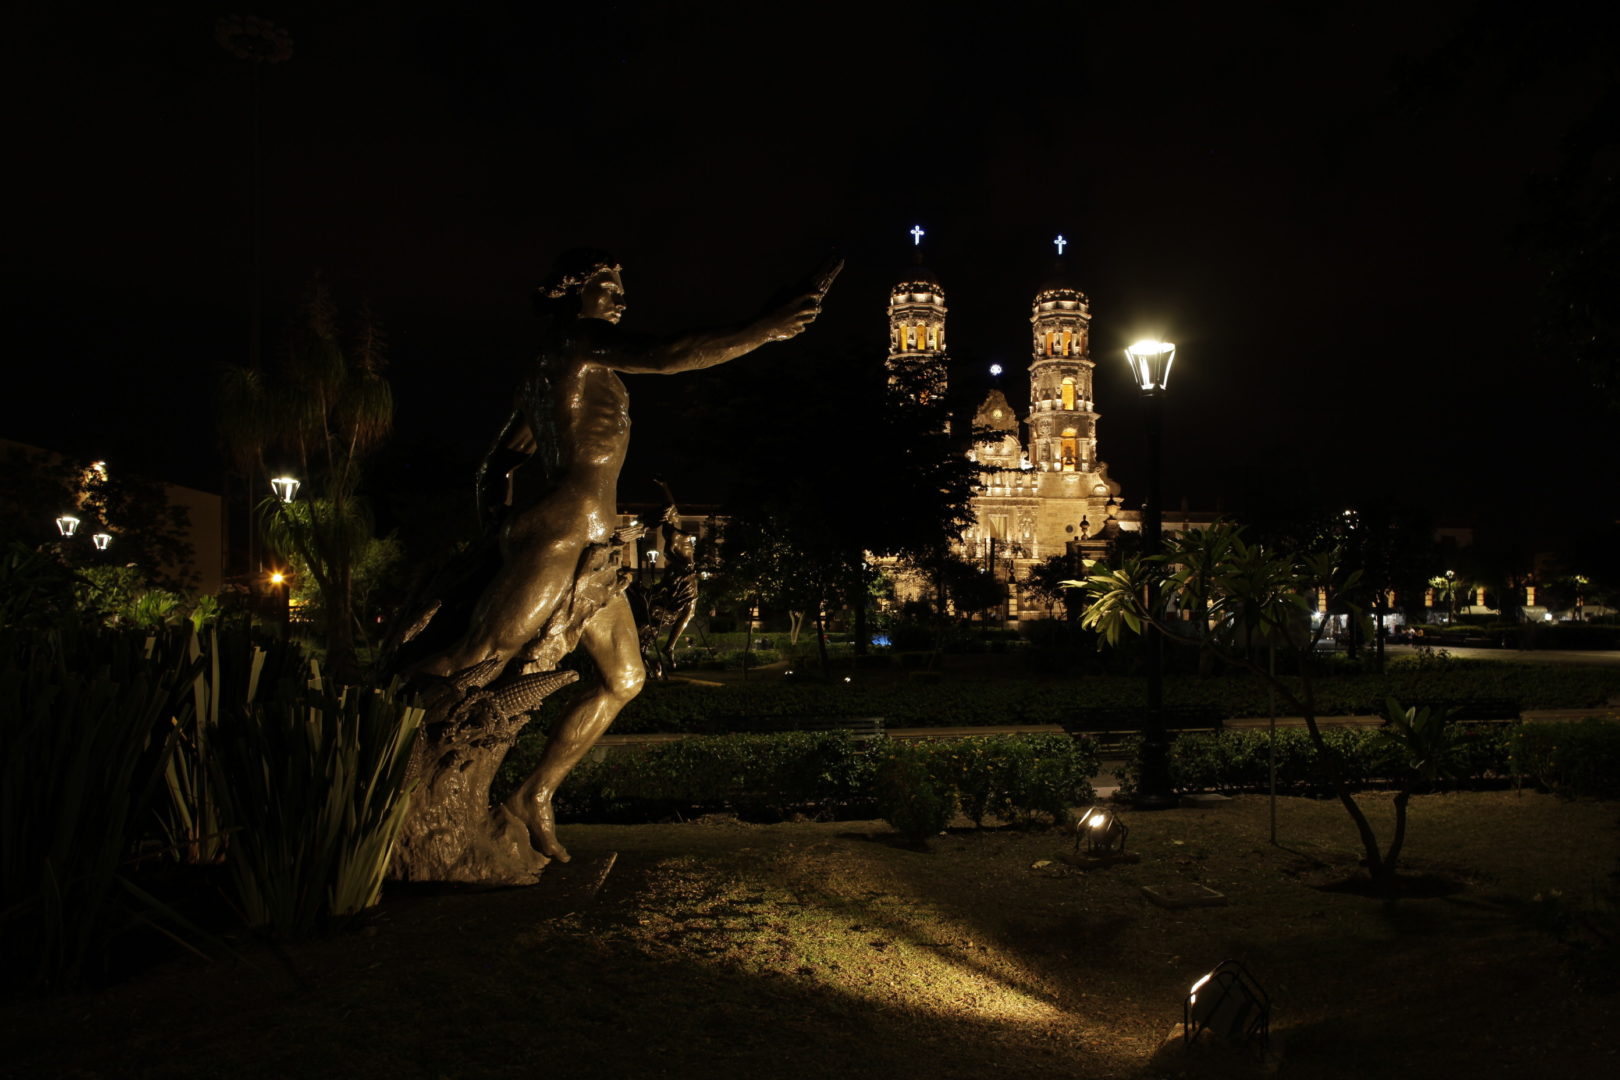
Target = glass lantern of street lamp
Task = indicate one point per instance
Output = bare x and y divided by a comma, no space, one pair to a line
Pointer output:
1150,363
67,524
286,488
101,540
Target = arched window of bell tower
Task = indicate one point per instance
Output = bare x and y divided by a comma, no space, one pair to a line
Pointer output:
1048,347
1068,394
1070,444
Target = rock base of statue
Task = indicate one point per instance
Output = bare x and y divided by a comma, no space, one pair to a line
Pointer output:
451,832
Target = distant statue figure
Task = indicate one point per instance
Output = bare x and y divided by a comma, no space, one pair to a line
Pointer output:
665,607
550,573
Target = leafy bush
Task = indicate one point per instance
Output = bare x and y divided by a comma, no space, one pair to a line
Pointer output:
1238,760
681,707
1015,777
757,775
912,794
1580,758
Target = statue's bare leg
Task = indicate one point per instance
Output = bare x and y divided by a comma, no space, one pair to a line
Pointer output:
534,578
611,640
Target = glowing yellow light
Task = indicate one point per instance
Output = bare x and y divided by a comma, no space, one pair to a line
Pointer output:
1098,820
277,578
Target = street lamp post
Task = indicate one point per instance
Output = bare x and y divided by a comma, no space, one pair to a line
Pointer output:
1150,365
284,588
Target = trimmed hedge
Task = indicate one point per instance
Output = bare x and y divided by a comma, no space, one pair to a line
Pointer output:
1567,758
683,707
1580,758
830,774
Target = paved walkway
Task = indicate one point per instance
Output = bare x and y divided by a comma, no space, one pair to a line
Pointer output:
1519,656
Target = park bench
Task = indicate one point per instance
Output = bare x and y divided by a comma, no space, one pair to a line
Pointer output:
1112,726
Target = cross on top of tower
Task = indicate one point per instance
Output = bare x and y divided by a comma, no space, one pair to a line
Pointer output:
917,235
1060,242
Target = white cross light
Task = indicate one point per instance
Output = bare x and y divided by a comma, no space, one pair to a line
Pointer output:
1060,242
917,235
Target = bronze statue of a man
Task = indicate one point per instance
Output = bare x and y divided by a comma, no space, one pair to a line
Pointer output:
550,483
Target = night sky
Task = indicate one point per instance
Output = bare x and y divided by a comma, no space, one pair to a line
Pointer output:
1321,204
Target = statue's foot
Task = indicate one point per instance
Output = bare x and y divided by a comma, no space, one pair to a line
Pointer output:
543,832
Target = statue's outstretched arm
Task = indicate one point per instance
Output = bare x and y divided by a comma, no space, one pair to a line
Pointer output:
639,354
706,348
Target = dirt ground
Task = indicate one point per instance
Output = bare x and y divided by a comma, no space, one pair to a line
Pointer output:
716,949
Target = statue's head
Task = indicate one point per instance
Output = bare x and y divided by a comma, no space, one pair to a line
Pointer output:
583,283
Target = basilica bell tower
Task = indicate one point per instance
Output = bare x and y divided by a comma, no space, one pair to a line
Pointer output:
1078,501
917,359
1063,421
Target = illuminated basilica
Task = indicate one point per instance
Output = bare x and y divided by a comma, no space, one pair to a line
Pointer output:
1045,489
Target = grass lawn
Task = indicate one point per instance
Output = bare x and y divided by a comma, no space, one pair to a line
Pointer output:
824,950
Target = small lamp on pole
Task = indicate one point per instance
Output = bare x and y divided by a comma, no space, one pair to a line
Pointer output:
1150,365
286,488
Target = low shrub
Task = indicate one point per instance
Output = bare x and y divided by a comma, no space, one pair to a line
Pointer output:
680,707
1579,758
764,777
1017,777
1237,761
913,795
759,776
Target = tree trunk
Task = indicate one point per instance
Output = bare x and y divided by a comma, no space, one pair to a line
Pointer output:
1386,884
1369,840
862,634
821,639
342,661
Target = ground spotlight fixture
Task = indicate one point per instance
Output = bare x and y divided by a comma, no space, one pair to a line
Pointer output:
101,540
1228,1004
67,524
1101,832
286,488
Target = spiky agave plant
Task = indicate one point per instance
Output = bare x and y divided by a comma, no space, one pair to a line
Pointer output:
84,719
313,781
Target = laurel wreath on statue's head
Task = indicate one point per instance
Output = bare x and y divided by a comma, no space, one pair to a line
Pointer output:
568,283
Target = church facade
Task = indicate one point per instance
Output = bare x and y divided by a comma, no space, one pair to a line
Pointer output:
1044,488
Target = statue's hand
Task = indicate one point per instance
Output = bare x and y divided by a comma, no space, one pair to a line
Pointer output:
790,319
